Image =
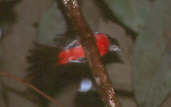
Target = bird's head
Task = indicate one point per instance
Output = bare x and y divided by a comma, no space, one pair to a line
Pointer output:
109,48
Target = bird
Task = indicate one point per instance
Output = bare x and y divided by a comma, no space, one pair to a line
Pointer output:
53,68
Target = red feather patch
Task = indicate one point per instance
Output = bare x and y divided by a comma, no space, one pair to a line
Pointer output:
76,52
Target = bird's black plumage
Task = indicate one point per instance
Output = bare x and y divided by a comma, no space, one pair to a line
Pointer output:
52,78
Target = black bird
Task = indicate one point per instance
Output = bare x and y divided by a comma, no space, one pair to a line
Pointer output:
52,69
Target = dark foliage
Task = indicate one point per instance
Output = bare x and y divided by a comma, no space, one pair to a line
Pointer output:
7,13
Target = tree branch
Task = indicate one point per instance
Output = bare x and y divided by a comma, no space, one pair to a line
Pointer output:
88,42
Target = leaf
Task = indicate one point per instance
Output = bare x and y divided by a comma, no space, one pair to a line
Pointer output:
152,57
52,25
125,11
92,14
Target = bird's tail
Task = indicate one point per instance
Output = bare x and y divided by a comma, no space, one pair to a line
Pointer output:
42,68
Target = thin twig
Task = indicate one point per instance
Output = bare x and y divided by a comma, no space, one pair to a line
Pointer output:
23,94
88,42
5,74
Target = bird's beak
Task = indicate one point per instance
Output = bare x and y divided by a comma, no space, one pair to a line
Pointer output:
114,48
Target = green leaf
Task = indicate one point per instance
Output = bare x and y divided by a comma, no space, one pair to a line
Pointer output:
52,25
152,57
125,11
